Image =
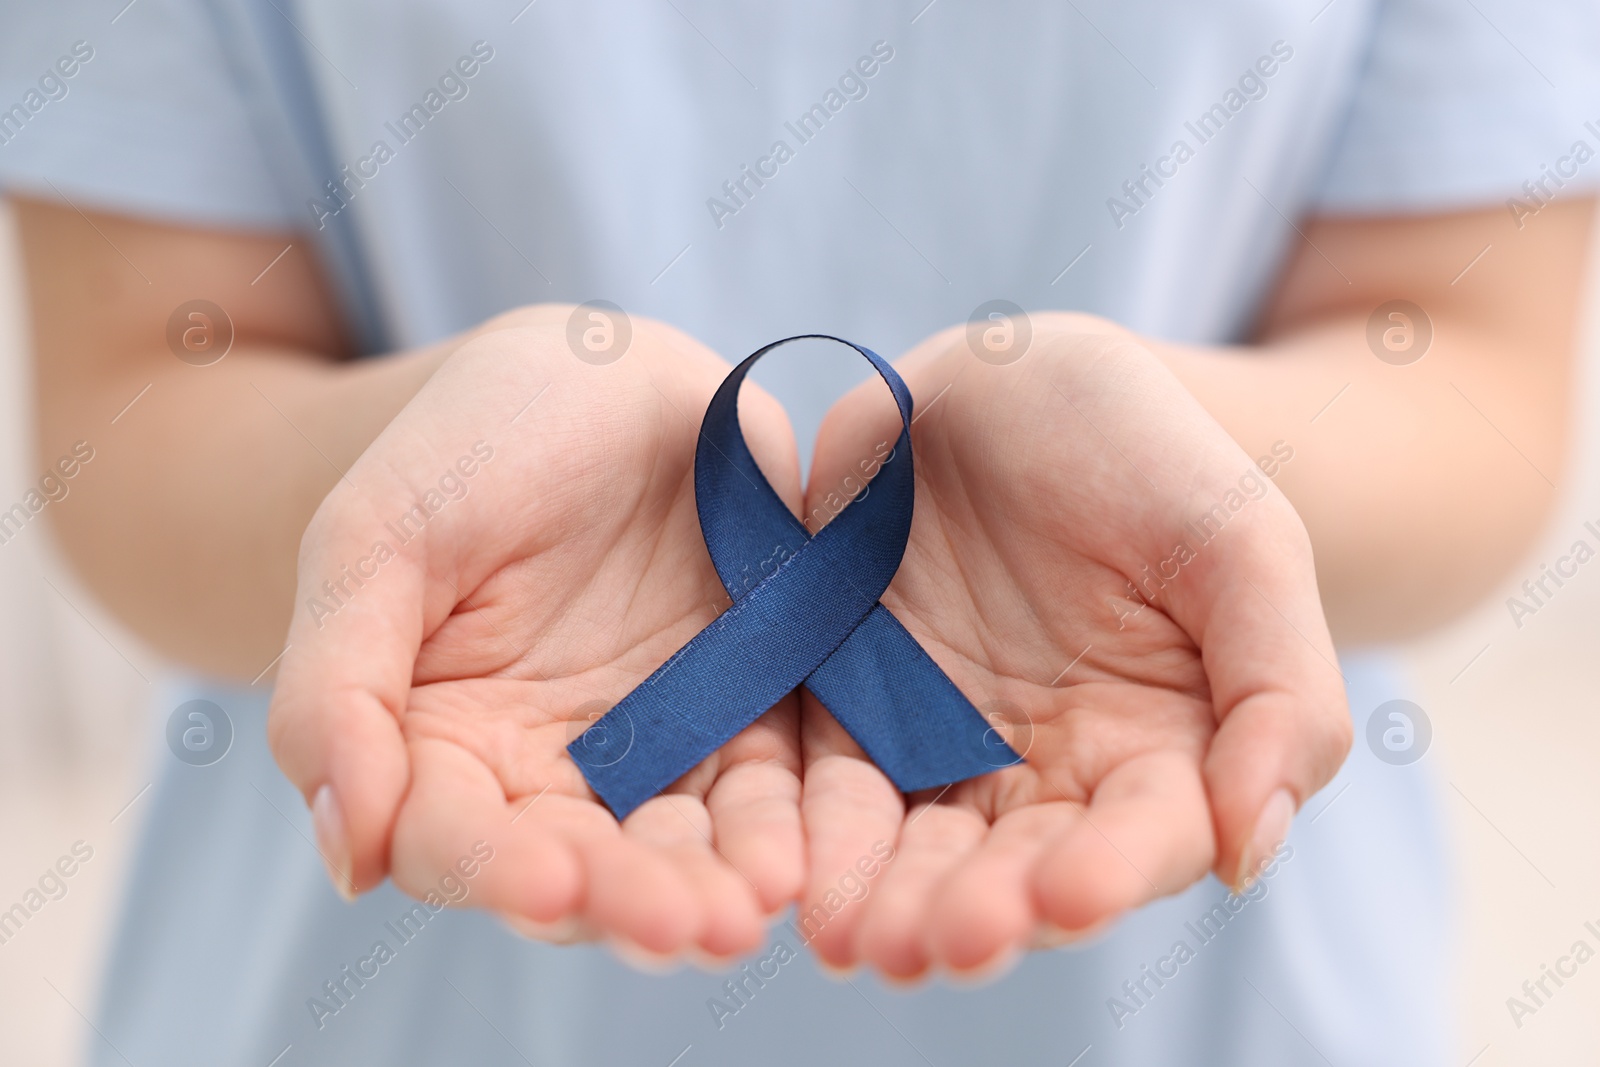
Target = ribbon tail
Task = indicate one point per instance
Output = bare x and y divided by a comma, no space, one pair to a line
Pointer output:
903,711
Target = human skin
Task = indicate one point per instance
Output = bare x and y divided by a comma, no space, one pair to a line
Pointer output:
190,526
1146,763
1159,726
433,709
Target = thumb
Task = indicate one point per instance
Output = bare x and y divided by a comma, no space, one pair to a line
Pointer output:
334,721
1284,724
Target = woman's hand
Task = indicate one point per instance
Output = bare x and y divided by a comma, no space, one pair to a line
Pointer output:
1174,705
511,556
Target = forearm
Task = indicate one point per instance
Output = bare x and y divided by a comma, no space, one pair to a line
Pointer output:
1414,500
1421,483
188,520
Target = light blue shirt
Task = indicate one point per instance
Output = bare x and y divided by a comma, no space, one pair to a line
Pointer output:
743,172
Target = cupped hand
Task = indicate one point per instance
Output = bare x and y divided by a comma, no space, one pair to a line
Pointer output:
514,553
1174,705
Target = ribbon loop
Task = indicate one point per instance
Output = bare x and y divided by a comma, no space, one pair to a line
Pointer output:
805,611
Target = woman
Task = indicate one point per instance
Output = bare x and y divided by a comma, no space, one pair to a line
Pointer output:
1244,191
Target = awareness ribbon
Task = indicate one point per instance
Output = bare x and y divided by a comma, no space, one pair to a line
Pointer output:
814,619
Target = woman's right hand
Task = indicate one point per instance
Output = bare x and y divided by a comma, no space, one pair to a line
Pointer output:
512,555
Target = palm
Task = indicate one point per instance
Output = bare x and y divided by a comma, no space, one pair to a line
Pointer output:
571,569
1028,528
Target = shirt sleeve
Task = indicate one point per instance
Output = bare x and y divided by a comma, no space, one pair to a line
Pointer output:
136,110
1463,101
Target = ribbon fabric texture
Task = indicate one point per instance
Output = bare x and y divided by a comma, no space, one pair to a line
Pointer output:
814,619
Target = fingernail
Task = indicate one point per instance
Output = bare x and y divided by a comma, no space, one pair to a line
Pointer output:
834,970
566,931
327,819
1049,935
1272,826
989,970
643,959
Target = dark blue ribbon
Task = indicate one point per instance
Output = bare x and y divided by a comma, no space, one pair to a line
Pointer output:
813,618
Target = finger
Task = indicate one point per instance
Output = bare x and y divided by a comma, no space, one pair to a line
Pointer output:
770,438
1245,591
678,826
755,815
568,868
342,688
1247,596
984,909
1146,833
856,439
636,895
934,840
1275,682
852,819
457,839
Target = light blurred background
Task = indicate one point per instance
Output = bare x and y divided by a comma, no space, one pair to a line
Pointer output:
1513,714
